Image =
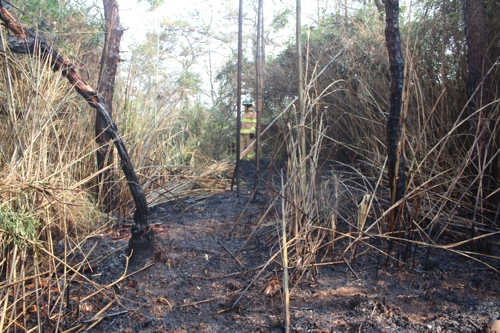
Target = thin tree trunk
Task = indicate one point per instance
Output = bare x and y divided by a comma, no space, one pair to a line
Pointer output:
259,82
300,94
476,33
443,69
238,107
380,9
107,74
396,162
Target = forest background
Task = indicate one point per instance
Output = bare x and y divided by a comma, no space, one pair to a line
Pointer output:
175,107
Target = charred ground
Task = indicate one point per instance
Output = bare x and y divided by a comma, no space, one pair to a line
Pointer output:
204,280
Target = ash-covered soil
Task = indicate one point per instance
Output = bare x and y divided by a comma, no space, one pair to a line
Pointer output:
204,280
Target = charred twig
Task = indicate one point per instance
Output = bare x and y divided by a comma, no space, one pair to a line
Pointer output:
119,280
94,321
232,255
258,224
255,278
196,303
227,275
114,314
350,268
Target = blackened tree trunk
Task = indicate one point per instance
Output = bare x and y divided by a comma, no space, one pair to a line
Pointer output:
106,86
396,161
24,41
480,85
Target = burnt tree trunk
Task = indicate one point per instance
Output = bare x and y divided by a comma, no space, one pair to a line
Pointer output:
25,42
396,161
480,86
106,86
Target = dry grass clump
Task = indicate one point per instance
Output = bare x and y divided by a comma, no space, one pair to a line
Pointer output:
187,182
65,210
47,148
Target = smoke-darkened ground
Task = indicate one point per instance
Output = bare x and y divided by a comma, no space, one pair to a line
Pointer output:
201,276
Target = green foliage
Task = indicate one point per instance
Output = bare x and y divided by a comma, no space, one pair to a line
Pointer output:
20,228
206,131
57,17
154,4
281,19
189,80
75,27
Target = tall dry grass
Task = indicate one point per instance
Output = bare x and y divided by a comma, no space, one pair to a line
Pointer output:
46,168
337,197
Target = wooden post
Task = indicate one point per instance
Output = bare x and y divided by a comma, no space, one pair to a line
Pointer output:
259,66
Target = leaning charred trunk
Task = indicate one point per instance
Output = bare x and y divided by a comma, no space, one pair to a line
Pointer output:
24,42
396,161
37,45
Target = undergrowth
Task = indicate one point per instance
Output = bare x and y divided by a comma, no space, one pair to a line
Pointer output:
334,190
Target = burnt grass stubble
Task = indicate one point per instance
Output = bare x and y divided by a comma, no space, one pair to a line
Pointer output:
195,282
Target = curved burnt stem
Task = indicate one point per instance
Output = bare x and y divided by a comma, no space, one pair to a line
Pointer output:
25,42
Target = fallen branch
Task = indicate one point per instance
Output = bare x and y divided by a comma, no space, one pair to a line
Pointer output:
196,303
232,255
114,314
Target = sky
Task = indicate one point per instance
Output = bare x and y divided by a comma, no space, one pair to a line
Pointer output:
135,17
137,21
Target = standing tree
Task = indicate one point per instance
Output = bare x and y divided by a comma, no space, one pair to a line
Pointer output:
396,161
109,64
480,85
238,106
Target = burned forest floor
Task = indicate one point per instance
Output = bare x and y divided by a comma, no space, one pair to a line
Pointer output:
210,273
